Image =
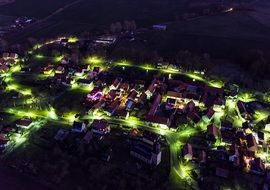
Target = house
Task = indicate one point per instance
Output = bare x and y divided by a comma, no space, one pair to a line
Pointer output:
189,107
95,94
105,40
212,132
10,62
161,121
150,137
79,127
116,83
267,124
213,97
88,137
257,166
112,108
187,152
48,70
159,27
228,132
3,141
5,55
106,155
151,89
124,86
143,98
24,123
13,55
172,98
101,127
60,70
155,105
61,135
251,142
84,82
174,95
194,117
210,112
150,154
133,95
4,68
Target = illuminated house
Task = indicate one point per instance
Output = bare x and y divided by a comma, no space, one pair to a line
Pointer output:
3,141
48,70
24,123
156,119
212,132
257,166
5,55
143,98
61,135
267,124
101,127
187,152
194,117
10,55
210,113
60,70
189,107
88,137
79,127
213,97
113,107
130,103
105,40
116,84
4,68
251,142
151,89
228,132
155,105
94,95
174,100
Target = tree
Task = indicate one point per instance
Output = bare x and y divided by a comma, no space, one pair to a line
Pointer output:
113,28
118,27
126,25
133,25
3,44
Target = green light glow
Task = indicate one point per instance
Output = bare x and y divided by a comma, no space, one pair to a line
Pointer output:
260,115
73,39
147,67
58,58
39,56
195,76
94,60
216,83
52,114
123,63
70,116
246,97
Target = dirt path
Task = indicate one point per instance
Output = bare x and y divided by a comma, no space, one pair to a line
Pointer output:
61,10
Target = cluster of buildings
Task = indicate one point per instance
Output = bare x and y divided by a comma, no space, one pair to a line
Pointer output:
7,61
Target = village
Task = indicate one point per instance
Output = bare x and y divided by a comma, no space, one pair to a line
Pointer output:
183,122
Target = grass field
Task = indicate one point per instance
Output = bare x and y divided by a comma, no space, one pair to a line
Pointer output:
32,8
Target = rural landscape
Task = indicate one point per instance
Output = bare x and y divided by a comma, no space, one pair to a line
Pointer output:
133,94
